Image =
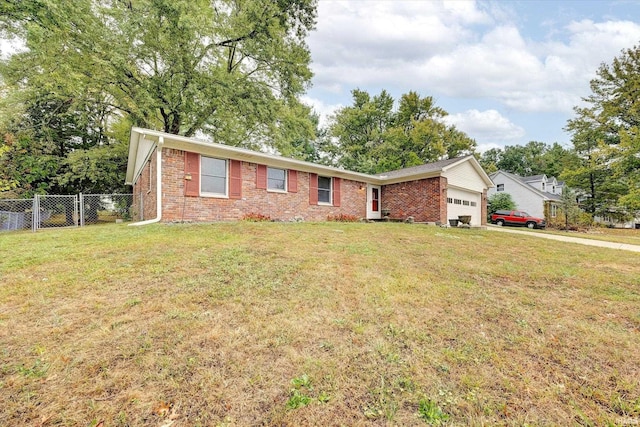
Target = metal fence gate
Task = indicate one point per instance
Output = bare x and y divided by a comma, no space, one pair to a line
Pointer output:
52,211
55,211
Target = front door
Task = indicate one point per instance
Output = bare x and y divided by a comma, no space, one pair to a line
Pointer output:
373,202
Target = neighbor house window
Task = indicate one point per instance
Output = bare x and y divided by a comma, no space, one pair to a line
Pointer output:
213,176
324,189
276,179
500,187
554,211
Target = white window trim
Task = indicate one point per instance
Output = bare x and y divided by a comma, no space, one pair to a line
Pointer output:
226,180
330,202
286,181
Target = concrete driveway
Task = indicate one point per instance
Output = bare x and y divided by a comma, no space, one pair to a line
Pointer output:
588,242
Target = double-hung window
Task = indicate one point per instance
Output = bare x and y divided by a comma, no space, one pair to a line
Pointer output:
276,179
324,190
213,177
500,187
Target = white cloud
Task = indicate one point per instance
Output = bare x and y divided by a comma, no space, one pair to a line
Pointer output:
489,128
369,43
461,49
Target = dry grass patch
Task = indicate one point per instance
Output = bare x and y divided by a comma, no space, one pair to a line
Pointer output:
617,235
311,324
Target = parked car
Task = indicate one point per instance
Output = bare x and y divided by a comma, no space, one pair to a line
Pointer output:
517,218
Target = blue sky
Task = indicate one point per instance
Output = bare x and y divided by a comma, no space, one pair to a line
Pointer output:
507,72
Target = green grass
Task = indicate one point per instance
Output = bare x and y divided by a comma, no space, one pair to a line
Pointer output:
315,323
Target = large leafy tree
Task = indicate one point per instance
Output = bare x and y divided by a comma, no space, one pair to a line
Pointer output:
372,137
227,69
606,139
534,158
359,130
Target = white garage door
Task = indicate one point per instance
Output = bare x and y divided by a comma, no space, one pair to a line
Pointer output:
462,202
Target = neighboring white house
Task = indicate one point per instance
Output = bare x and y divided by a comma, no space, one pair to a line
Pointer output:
616,220
529,193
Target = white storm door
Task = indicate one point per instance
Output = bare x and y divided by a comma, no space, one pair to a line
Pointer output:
373,202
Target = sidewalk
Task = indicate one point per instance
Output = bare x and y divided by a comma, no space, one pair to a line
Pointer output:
581,241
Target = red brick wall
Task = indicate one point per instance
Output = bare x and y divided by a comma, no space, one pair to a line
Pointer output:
425,200
280,206
144,192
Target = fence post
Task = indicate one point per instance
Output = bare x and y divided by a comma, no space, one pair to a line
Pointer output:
34,213
76,211
81,219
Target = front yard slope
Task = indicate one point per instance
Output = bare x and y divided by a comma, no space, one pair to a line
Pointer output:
315,324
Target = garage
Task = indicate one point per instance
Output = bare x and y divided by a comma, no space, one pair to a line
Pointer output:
464,202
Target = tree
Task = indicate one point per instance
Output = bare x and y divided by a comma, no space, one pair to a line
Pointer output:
489,160
626,169
6,183
534,158
605,138
27,164
569,208
371,137
230,70
178,65
360,128
500,201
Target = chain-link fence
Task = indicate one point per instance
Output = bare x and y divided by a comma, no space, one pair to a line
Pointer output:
55,211
16,214
105,208
52,211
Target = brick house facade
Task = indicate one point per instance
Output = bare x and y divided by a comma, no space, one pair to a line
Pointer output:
419,199
204,182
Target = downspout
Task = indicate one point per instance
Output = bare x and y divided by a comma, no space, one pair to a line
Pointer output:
158,186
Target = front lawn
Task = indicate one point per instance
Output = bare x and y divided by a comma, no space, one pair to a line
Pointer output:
315,324
617,235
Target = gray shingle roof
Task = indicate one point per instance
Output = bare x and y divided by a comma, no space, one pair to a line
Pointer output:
531,178
426,168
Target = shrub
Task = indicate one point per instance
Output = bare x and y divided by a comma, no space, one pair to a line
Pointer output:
343,218
255,217
500,201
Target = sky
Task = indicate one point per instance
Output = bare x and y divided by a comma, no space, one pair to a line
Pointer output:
507,72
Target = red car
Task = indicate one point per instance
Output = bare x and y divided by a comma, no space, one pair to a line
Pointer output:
517,218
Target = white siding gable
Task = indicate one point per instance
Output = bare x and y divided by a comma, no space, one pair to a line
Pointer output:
464,175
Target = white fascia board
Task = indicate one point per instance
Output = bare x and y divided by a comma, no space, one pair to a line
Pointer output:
131,162
140,150
235,153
